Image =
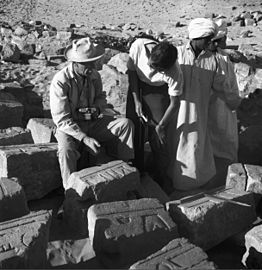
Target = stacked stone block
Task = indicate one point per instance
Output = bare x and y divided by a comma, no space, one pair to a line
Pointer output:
208,219
23,241
177,254
35,166
113,181
12,199
11,111
41,130
15,136
126,231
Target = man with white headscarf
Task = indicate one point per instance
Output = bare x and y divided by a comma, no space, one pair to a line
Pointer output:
194,165
222,119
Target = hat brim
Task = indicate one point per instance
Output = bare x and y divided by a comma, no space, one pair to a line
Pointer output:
70,55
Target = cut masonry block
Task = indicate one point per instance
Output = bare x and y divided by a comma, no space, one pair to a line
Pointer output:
113,181
35,166
208,219
13,202
253,242
126,231
14,136
23,241
236,177
11,111
108,182
42,130
254,178
177,254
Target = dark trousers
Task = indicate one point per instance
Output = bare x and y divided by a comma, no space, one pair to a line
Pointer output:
155,100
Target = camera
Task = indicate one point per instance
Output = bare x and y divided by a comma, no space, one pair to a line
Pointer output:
88,113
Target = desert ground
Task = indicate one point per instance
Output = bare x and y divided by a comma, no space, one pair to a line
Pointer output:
119,18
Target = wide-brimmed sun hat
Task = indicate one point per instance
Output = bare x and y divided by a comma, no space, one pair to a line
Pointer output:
84,50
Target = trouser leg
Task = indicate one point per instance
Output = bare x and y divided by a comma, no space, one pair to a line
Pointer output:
67,155
139,133
120,129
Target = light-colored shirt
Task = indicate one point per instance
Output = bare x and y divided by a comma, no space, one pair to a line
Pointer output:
138,61
193,165
68,93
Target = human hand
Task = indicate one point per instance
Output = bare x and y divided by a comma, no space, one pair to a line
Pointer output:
160,131
92,145
138,108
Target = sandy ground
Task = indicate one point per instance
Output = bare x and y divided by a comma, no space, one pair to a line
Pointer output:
158,15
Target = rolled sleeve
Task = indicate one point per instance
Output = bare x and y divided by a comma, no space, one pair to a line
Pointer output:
60,108
174,79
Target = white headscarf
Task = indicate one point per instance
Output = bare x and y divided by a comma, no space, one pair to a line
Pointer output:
222,29
201,27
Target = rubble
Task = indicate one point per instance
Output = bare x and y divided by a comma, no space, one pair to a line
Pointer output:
15,136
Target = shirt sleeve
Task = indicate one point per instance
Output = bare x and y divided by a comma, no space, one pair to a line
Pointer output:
174,79
60,108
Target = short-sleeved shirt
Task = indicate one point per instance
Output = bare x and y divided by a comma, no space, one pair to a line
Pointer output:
138,61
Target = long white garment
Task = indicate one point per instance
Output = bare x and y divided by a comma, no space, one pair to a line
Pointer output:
222,120
193,165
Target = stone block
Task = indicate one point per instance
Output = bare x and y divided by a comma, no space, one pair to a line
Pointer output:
126,231
236,177
23,241
209,219
42,130
253,242
119,62
254,178
35,166
11,111
108,182
13,202
177,254
14,136
113,181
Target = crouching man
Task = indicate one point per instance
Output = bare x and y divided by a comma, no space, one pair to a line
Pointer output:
76,102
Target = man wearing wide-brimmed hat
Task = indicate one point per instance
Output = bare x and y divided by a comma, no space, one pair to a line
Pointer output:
76,102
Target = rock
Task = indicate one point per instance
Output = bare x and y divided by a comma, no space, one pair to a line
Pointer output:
13,202
20,31
41,130
38,62
126,231
71,252
254,178
24,241
178,253
253,255
119,62
109,182
245,33
35,166
256,80
10,53
236,177
64,35
246,15
249,22
224,212
115,85
14,136
11,111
